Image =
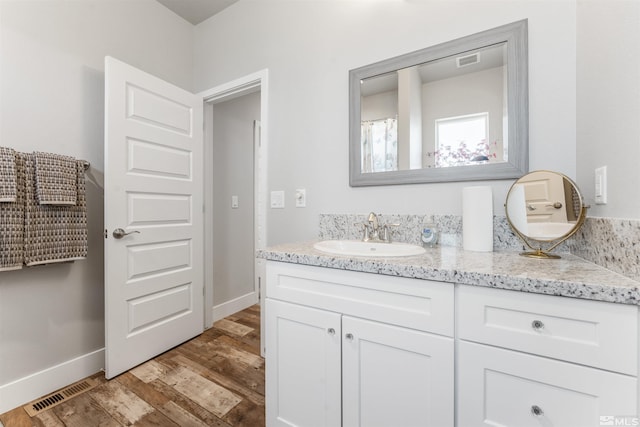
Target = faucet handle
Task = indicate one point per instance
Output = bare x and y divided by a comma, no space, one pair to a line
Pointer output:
365,236
386,232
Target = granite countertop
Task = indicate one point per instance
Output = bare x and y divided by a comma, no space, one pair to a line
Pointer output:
569,276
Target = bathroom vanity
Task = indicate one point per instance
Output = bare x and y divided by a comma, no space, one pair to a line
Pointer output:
447,338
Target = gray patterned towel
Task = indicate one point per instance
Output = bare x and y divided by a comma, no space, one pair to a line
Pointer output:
12,224
8,185
54,233
56,179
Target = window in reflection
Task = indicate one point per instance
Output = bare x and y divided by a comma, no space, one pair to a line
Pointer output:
462,140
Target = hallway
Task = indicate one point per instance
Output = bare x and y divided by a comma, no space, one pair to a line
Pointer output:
215,379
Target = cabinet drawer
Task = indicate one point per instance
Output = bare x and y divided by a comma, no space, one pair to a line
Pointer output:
592,333
418,304
502,387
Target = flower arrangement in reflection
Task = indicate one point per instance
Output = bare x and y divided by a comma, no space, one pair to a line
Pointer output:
462,154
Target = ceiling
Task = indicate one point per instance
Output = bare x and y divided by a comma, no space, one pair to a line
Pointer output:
196,11
440,69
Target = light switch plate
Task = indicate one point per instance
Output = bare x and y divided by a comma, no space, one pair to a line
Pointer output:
301,198
601,186
234,202
277,199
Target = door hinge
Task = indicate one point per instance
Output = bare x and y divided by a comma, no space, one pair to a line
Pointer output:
106,233
259,288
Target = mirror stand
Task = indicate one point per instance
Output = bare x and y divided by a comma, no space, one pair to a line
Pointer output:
540,253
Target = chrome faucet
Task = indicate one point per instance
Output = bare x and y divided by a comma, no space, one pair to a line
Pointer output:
374,232
373,223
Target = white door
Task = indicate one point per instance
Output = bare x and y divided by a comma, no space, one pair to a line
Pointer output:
303,375
394,376
153,192
544,192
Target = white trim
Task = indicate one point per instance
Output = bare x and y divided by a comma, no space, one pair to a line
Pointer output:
235,305
250,83
254,82
36,385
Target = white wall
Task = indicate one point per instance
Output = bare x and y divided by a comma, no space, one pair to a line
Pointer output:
52,99
309,48
233,229
379,106
608,103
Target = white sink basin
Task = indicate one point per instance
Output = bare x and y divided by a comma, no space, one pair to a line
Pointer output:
368,249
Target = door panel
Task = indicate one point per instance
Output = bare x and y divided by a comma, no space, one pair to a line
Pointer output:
154,159
159,209
153,190
150,107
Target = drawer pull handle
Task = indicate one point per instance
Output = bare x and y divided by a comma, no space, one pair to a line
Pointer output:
537,411
331,331
537,325
349,337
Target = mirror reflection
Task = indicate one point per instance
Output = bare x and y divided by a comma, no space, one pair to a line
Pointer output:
456,111
443,113
544,206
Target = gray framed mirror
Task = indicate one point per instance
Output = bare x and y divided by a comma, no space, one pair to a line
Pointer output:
456,111
544,208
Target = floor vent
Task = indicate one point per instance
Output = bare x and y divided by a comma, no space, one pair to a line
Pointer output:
59,397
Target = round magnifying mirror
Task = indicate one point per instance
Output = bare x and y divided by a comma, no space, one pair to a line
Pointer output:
544,208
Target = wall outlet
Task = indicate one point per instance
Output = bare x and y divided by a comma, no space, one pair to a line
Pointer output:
277,199
601,186
301,198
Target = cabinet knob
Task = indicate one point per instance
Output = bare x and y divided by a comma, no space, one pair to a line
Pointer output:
331,331
537,411
349,337
537,325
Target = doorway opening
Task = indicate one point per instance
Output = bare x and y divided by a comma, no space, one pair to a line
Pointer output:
235,185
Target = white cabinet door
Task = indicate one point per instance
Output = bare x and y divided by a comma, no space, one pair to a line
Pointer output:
498,387
395,376
303,366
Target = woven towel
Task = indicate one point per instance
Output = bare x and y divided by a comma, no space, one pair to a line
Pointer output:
8,180
12,224
53,233
56,179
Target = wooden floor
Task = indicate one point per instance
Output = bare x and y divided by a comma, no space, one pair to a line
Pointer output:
216,379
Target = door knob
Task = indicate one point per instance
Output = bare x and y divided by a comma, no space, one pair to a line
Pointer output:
119,233
556,205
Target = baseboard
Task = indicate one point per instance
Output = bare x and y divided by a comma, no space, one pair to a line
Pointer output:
225,309
31,387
